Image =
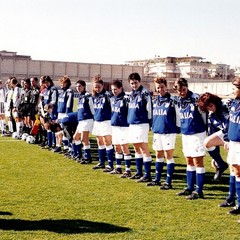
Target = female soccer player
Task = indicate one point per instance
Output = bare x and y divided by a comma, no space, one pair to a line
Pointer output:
139,117
193,129
3,93
85,123
102,124
234,140
25,105
65,106
16,99
164,127
50,96
217,117
119,105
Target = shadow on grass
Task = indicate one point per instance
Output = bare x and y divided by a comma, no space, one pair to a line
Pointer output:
5,213
65,226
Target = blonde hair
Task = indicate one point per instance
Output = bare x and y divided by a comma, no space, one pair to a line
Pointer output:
65,79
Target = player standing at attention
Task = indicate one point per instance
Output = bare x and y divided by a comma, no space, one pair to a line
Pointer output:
3,93
16,99
50,96
25,105
9,107
193,129
164,127
119,105
35,92
65,106
102,124
234,140
139,117
85,111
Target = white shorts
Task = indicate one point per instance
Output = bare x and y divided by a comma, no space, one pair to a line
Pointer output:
85,126
218,134
120,135
163,141
138,133
193,145
102,128
234,153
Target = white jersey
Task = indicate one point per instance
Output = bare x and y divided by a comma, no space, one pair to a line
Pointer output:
8,100
16,97
2,94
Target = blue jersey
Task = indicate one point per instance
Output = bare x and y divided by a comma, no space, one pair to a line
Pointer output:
50,96
164,115
85,106
65,101
139,106
217,121
234,121
191,120
119,107
102,106
70,118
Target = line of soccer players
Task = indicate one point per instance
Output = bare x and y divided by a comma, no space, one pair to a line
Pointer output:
118,119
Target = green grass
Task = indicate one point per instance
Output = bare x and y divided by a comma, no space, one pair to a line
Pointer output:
46,196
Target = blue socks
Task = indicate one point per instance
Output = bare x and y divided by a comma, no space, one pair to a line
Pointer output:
170,171
214,152
147,161
200,178
110,155
158,169
191,177
139,163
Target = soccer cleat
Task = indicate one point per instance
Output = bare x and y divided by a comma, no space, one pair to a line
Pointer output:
99,166
57,149
115,171
227,203
194,196
85,161
63,151
235,210
136,176
126,175
220,171
185,192
166,186
154,183
69,156
144,179
108,169
43,144
77,159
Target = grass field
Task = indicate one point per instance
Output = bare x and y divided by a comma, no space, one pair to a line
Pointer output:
46,196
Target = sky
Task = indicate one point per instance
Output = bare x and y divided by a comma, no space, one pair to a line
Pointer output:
116,31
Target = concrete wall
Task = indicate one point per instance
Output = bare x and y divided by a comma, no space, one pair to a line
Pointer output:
22,68
219,88
223,89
